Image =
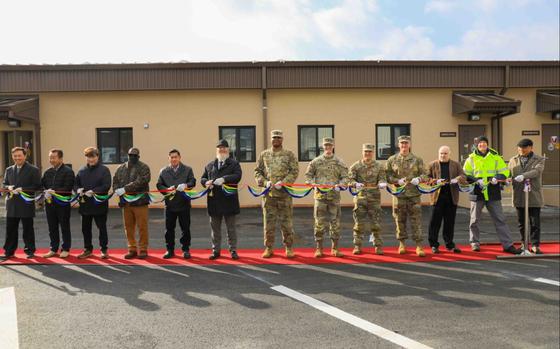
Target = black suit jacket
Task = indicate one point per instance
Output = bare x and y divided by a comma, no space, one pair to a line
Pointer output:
29,179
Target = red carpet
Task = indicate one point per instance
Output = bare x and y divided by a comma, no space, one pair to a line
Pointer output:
253,256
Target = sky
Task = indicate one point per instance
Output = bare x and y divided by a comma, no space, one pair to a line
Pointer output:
125,31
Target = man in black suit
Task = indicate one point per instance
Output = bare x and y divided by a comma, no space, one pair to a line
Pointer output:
20,179
223,170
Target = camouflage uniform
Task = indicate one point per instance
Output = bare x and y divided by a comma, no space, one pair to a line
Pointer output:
277,166
407,204
367,204
327,170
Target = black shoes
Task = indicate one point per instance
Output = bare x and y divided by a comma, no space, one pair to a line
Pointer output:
186,254
512,250
536,250
5,257
234,255
29,255
453,249
169,254
435,249
214,255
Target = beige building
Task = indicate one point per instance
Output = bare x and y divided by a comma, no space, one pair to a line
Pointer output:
156,107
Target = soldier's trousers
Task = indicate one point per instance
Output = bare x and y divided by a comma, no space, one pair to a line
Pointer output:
367,213
408,209
277,209
327,218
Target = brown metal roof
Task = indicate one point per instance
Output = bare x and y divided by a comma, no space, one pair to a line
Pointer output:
25,108
548,101
478,102
292,74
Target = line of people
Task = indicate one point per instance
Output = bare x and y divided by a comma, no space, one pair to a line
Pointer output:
276,166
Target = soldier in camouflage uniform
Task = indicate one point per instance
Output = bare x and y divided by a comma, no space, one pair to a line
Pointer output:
367,176
407,169
275,167
327,169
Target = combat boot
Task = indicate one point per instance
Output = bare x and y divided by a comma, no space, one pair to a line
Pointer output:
357,250
268,252
334,251
420,250
319,250
289,252
402,247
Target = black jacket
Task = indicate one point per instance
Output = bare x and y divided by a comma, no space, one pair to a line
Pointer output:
29,179
218,202
60,179
97,179
168,178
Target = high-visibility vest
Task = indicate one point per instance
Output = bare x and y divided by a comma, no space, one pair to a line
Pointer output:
485,167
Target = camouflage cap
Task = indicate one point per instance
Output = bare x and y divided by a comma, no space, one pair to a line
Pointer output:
276,133
133,151
328,140
368,146
404,139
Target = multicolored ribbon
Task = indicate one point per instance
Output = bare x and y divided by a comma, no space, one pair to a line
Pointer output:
99,199
26,197
297,193
259,192
394,190
62,200
229,190
425,188
193,194
132,197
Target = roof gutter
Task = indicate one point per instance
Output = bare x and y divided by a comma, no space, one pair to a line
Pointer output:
506,80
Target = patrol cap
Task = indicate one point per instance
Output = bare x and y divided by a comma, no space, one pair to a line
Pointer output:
133,151
368,146
404,138
222,143
276,133
525,142
328,140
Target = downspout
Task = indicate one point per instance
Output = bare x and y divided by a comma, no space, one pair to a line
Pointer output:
264,108
499,116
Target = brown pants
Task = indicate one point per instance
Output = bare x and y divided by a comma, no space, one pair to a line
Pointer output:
136,216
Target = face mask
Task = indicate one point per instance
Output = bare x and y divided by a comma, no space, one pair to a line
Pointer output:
133,159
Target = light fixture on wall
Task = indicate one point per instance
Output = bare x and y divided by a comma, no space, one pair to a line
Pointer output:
146,125
555,115
14,123
474,117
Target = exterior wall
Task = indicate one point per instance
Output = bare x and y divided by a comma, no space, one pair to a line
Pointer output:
189,121
355,114
526,119
186,120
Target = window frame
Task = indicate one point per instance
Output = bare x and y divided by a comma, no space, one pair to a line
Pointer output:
237,141
98,131
300,127
392,137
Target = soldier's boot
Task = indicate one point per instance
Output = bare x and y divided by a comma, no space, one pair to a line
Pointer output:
319,250
289,252
268,252
357,250
334,250
402,247
379,250
419,250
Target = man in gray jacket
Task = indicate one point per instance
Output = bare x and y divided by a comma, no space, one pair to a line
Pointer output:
174,179
528,166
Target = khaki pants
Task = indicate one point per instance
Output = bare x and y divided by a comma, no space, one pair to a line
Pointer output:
136,216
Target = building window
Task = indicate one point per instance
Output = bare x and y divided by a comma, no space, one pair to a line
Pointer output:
386,137
310,140
241,140
113,143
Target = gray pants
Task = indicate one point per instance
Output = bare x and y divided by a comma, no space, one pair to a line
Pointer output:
494,207
216,225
